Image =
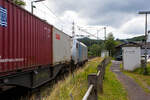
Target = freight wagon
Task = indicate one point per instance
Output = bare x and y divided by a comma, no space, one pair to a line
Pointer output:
62,44
79,52
32,51
25,45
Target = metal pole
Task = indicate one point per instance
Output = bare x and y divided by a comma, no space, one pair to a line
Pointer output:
145,70
97,42
73,29
97,34
145,62
32,7
105,33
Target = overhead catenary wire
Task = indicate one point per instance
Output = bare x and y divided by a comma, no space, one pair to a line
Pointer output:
52,12
80,28
96,28
64,24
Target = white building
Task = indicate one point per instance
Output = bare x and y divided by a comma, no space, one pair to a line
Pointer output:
104,53
131,56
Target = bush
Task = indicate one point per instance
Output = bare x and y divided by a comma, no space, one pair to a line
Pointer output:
19,2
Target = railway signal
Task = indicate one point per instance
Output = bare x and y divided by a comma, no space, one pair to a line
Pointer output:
145,62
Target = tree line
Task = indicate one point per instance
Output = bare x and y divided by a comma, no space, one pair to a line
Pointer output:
95,47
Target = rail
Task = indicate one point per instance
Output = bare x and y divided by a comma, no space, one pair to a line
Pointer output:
88,92
95,81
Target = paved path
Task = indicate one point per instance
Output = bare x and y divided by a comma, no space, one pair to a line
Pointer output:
135,92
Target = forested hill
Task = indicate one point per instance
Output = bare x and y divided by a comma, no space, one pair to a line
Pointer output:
134,39
96,46
90,42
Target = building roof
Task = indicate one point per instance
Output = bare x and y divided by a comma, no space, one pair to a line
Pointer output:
143,45
128,44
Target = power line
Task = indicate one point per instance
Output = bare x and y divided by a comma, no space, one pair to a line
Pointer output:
52,12
57,18
63,23
80,28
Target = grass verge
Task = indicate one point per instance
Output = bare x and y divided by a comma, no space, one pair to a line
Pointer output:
113,89
142,80
74,86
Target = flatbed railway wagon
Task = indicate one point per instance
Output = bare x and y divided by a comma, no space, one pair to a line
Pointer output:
29,51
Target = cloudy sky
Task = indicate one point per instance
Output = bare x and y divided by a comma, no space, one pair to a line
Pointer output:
120,16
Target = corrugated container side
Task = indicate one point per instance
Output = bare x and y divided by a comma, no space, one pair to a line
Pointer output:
25,40
62,45
82,52
75,51
79,51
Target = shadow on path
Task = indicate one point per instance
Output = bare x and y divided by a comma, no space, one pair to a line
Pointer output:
135,92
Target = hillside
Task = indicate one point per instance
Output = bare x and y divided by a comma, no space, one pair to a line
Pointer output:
134,39
89,42
139,38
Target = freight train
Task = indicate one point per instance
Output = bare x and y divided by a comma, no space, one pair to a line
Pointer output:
33,52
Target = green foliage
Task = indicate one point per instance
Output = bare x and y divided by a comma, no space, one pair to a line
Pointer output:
89,42
141,70
95,50
134,39
76,84
110,44
19,2
94,46
138,38
113,89
142,80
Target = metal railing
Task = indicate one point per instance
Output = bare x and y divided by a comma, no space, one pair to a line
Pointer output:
95,81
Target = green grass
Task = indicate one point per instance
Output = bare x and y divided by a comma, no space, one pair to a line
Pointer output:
113,89
142,80
75,86
121,67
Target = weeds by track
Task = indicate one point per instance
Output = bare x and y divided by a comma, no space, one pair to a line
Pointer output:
21,93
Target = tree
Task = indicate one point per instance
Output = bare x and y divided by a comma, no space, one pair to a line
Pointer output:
110,44
95,50
19,2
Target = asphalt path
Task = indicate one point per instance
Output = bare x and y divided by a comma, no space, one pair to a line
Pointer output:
135,92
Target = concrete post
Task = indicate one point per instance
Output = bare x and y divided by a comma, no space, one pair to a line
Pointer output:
100,79
92,79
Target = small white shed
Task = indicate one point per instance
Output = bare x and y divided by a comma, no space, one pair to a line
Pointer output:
131,56
104,53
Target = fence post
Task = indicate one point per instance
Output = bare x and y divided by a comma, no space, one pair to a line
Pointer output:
100,79
104,66
95,81
92,79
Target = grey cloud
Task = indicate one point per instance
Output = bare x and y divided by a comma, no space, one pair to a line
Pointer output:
105,12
